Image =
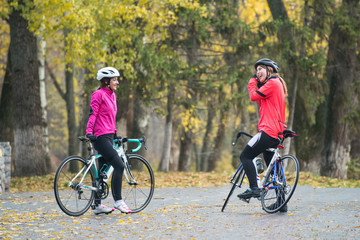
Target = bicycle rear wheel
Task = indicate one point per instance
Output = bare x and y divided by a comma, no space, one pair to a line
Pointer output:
70,194
235,183
279,189
137,195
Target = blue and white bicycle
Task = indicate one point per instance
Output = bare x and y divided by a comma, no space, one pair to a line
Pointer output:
277,184
77,180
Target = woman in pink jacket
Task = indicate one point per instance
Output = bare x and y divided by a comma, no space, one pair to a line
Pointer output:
101,130
269,90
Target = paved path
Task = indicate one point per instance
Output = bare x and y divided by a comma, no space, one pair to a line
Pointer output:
189,213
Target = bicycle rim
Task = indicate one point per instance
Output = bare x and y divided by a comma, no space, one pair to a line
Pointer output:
279,191
235,184
137,195
71,197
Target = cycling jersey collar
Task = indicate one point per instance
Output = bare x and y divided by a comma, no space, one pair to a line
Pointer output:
107,90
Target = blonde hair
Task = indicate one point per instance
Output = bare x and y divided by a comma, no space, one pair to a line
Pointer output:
272,74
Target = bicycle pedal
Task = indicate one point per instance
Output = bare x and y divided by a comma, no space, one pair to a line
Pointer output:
247,200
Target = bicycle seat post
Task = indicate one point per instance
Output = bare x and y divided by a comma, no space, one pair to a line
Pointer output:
91,148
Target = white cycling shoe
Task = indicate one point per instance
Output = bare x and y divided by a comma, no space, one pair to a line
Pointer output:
102,209
121,205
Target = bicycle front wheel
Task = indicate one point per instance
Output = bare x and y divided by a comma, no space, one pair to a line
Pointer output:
70,190
137,194
280,187
237,182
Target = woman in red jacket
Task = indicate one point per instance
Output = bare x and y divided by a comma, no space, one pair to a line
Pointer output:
101,130
269,90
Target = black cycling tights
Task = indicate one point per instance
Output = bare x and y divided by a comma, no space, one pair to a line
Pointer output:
104,145
257,145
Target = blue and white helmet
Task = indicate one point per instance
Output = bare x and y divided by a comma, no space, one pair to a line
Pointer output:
107,72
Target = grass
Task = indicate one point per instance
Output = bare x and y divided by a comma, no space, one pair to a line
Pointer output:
182,179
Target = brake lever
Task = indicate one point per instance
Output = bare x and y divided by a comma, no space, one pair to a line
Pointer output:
236,138
143,140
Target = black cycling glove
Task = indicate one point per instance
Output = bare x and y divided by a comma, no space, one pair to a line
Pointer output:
92,137
260,84
116,136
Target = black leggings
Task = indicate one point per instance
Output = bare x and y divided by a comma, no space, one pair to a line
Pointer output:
104,145
257,145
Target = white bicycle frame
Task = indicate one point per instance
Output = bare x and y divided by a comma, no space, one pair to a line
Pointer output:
91,162
270,167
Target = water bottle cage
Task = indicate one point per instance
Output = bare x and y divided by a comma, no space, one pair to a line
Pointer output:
103,171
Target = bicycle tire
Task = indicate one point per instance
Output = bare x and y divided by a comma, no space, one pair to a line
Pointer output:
137,196
235,184
72,199
278,193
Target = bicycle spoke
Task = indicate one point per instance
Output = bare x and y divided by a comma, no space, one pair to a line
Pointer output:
73,200
137,196
282,186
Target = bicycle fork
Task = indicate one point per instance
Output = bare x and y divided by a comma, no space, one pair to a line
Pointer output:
127,173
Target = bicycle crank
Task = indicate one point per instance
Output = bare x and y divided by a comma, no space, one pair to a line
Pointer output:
103,190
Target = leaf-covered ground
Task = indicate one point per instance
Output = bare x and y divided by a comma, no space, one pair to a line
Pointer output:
188,213
182,179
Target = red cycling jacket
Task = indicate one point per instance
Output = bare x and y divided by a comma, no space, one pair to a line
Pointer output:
102,112
271,100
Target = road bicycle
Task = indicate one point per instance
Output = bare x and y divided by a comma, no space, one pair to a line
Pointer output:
279,181
75,189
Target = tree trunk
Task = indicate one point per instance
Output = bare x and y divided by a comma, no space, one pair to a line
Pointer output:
86,111
215,156
278,11
185,152
28,129
186,139
355,136
175,150
341,66
41,57
140,121
130,116
70,108
165,157
6,107
290,121
245,126
355,155
205,150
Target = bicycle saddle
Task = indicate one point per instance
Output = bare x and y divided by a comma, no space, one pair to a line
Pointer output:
289,133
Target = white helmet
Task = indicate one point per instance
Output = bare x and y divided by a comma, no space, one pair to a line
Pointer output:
108,72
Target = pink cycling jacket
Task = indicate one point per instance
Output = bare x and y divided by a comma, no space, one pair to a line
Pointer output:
102,112
271,100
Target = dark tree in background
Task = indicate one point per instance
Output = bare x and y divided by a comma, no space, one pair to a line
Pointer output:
341,75
30,157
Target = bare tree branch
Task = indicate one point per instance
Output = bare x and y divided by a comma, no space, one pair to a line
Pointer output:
57,85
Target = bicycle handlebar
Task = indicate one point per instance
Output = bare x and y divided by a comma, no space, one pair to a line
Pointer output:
120,140
286,133
238,135
139,141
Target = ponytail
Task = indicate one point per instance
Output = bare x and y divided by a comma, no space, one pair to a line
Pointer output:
282,82
270,72
284,86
